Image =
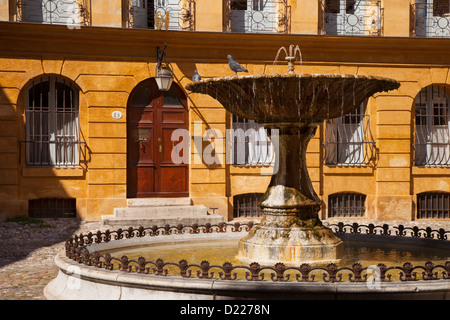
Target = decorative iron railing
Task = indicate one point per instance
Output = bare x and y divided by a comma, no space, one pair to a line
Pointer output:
62,153
257,16
430,19
73,13
351,17
161,14
349,141
76,250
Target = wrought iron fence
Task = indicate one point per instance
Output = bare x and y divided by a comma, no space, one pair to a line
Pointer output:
76,250
351,17
431,19
161,14
70,12
257,16
349,141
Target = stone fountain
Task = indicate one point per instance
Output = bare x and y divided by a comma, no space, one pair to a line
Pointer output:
294,104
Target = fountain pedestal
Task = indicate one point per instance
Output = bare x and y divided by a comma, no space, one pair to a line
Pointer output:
290,230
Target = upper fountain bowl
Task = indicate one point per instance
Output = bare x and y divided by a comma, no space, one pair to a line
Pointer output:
293,97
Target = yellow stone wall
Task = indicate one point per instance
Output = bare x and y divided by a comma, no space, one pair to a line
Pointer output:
108,65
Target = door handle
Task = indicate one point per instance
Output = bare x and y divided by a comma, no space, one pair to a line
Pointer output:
160,148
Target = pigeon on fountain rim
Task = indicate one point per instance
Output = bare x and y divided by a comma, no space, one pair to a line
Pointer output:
235,66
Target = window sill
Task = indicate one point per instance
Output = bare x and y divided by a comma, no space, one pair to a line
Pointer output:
348,170
431,171
52,172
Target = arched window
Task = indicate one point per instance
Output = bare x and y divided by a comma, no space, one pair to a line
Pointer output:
432,136
433,205
346,205
251,143
51,121
349,140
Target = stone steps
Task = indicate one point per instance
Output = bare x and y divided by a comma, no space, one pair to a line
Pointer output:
148,212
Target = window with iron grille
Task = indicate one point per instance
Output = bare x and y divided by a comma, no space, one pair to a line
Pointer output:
246,205
349,140
432,129
433,205
69,12
251,143
346,205
52,208
161,14
430,18
257,16
351,17
51,121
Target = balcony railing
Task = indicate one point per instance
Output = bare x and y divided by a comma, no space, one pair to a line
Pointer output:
257,16
161,14
351,18
430,19
73,13
349,141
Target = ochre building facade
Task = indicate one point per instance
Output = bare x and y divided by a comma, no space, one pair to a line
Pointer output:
79,106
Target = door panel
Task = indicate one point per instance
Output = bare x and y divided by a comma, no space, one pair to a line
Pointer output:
151,171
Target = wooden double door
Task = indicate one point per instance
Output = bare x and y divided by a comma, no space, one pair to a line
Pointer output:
152,116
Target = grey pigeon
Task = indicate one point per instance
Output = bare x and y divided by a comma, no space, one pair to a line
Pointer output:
196,76
236,67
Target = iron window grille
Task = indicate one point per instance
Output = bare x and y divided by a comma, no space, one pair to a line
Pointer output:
257,16
351,17
430,18
432,127
433,205
246,205
52,208
52,125
72,13
159,14
251,144
346,205
349,140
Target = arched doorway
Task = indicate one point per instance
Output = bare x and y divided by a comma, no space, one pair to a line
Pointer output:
152,116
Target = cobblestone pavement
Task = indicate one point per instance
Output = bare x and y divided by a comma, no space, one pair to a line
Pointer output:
27,252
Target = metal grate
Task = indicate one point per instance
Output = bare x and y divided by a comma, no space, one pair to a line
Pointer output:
258,16
349,140
246,205
251,143
432,130
430,18
52,208
162,14
351,17
346,205
52,128
433,205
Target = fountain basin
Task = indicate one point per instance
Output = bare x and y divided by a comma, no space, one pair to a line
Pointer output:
80,279
281,98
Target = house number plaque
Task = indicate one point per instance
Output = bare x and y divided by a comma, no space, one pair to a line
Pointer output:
117,115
